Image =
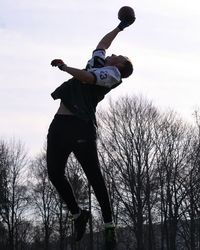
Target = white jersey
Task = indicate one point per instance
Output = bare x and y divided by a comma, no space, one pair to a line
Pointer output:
106,76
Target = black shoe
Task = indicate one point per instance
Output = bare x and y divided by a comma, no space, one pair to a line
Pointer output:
80,224
110,238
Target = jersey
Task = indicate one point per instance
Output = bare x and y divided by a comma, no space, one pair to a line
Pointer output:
82,99
106,76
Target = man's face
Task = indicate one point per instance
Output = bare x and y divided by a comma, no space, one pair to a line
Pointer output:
114,60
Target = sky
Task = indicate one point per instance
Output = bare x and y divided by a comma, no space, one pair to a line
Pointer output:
163,44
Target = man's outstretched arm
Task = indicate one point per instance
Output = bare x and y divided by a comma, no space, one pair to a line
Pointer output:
85,76
82,75
107,39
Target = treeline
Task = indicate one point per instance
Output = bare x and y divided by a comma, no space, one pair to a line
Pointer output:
150,161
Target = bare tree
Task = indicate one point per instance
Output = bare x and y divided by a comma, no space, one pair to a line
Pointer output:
43,197
191,223
127,129
173,141
14,198
3,189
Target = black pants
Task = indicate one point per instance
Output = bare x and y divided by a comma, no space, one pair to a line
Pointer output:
70,134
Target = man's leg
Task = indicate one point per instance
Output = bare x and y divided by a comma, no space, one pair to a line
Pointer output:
86,153
59,144
57,154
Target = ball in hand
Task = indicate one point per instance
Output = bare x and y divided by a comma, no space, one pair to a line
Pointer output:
126,13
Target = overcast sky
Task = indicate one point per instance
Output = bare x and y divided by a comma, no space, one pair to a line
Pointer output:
163,43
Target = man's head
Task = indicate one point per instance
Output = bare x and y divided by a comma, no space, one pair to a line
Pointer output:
122,63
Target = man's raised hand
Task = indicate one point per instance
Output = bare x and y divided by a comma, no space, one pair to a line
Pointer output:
57,63
126,15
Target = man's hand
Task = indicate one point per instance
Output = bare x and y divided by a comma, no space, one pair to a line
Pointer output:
126,15
57,63
124,24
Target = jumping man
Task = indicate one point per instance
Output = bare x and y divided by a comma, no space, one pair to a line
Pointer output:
73,128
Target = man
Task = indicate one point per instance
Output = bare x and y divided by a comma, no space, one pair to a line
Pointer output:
73,128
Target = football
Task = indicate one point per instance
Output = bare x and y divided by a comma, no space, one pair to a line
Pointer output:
126,13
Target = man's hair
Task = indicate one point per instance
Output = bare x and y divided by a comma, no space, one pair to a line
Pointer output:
127,69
